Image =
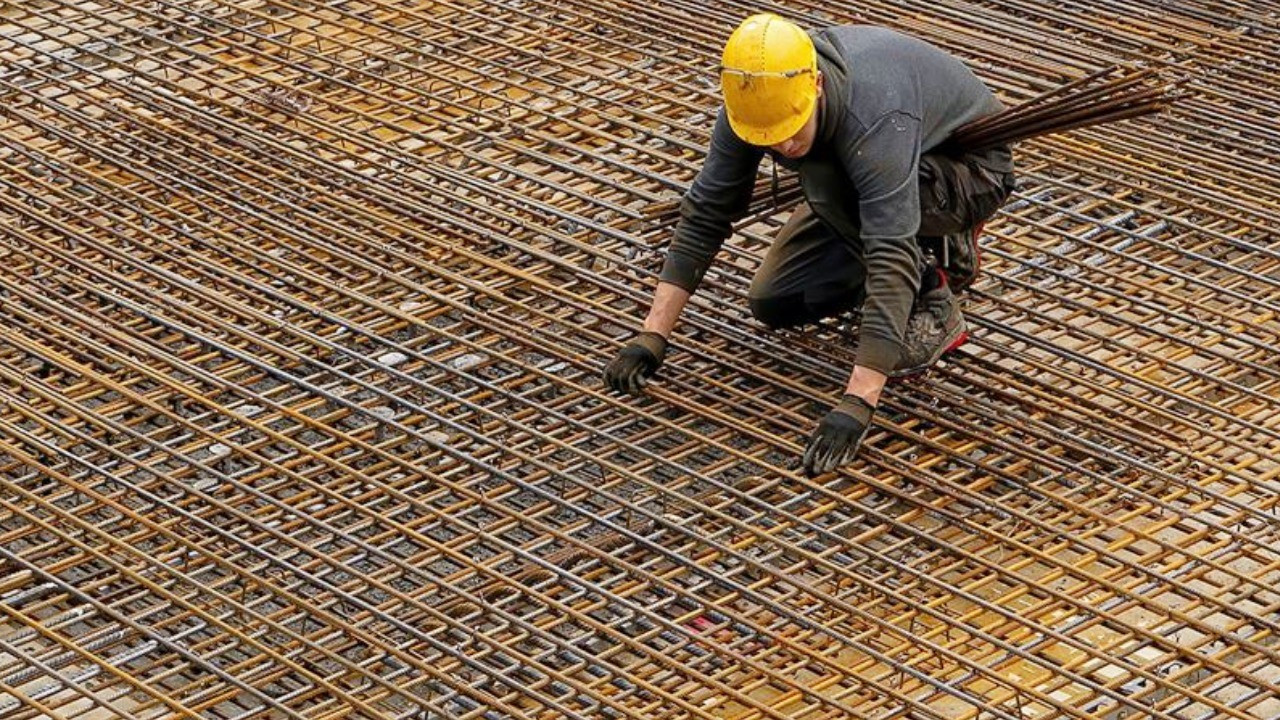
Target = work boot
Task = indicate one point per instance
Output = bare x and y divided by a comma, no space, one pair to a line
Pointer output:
961,257
936,327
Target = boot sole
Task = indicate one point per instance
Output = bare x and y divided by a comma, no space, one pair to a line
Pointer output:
900,375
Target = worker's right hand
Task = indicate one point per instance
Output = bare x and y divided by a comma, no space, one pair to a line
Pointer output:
635,363
838,436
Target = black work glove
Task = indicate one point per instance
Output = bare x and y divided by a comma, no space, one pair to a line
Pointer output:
838,436
635,363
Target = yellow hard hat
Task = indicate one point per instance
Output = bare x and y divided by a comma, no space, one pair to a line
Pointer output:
768,77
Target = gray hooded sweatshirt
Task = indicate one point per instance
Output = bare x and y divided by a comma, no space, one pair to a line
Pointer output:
888,99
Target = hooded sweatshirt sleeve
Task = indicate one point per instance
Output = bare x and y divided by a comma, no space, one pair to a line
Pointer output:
719,195
883,165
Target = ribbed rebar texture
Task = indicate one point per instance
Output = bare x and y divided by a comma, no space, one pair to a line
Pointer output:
305,304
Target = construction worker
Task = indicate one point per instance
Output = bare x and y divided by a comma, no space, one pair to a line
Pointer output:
890,222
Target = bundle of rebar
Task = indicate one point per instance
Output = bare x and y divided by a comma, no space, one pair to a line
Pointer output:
1099,98
305,306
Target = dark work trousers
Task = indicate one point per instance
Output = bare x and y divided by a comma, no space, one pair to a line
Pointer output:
812,272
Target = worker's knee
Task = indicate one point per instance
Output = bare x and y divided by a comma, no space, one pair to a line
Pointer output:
779,311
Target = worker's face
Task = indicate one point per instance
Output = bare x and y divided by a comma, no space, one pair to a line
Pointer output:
799,145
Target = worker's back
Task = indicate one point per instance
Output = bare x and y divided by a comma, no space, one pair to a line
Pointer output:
882,71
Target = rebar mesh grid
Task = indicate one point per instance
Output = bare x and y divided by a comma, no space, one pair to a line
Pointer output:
306,304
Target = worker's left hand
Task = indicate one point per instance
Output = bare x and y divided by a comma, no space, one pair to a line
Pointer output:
838,436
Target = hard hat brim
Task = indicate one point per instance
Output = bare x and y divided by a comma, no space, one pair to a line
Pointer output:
766,135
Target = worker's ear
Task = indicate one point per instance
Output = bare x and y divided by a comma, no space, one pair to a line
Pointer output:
819,82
